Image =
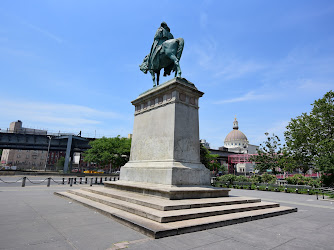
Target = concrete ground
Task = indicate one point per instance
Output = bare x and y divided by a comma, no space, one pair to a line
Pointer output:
34,218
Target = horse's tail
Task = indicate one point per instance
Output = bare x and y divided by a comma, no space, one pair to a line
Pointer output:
179,48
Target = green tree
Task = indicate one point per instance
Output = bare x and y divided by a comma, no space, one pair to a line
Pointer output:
298,140
104,151
311,137
286,161
210,160
269,154
60,163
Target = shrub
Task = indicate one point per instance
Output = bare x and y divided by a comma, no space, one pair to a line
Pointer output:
268,178
230,178
255,179
315,183
242,178
299,179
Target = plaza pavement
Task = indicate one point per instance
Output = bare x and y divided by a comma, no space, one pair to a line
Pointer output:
34,218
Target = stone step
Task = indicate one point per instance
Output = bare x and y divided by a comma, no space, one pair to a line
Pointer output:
159,230
168,191
167,205
173,215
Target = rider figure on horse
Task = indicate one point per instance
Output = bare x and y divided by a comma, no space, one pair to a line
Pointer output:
165,54
163,34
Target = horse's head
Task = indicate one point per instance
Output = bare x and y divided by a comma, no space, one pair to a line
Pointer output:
144,66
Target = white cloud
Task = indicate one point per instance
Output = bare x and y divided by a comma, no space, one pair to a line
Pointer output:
278,129
315,86
54,115
213,58
238,68
305,62
44,32
250,96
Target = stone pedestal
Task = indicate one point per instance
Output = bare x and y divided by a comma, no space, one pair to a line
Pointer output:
164,189
165,143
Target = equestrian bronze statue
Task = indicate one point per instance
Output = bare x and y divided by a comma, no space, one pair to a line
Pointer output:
165,53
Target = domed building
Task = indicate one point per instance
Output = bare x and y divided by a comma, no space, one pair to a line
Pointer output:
236,141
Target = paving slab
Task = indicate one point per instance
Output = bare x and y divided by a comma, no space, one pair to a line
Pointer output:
301,244
231,244
30,232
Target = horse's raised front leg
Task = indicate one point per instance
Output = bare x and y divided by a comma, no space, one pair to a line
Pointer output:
177,64
153,77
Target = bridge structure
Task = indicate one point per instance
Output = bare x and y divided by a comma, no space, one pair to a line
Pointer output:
28,140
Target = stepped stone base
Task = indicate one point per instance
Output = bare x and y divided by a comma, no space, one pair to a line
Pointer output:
168,191
158,216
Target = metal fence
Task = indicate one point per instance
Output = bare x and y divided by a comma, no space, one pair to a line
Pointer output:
287,188
69,181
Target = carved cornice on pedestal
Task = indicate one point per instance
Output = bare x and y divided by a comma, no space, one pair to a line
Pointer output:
177,90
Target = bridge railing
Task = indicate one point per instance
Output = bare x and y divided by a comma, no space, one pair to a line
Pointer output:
33,132
28,131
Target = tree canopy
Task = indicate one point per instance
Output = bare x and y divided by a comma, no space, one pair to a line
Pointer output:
60,163
210,160
269,154
104,151
311,137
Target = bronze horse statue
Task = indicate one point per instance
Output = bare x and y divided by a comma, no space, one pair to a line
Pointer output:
168,58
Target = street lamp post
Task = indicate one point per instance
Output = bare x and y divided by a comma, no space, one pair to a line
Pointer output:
47,156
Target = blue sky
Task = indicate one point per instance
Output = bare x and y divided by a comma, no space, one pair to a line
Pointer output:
73,65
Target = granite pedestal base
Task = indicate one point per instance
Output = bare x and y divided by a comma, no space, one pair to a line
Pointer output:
168,191
166,173
165,147
159,217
